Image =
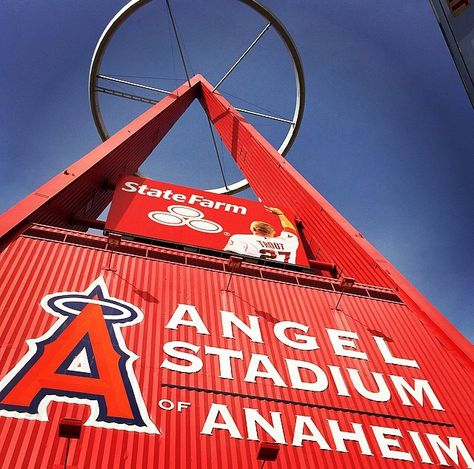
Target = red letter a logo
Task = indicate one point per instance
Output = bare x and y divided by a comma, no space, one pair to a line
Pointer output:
82,357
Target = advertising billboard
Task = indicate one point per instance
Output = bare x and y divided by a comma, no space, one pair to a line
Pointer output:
163,211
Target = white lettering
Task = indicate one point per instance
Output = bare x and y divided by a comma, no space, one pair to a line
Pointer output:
389,358
454,446
252,331
154,193
305,343
341,345
299,436
321,382
385,444
425,457
225,355
166,404
195,321
142,189
274,429
194,198
130,186
183,405
270,371
339,381
416,391
235,209
167,194
179,197
170,349
228,424
383,393
357,435
208,203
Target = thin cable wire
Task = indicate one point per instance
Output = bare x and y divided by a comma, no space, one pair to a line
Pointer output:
115,75
185,52
179,43
189,82
173,61
217,152
270,111
249,48
144,77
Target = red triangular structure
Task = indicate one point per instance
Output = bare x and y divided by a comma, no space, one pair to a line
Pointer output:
85,189
385,373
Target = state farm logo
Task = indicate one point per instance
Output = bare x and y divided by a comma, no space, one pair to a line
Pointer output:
179,215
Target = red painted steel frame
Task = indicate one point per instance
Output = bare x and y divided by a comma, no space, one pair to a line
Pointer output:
83,190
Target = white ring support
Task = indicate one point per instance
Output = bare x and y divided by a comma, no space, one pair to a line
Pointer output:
133,6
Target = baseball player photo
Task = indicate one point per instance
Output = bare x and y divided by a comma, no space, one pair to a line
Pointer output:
263,242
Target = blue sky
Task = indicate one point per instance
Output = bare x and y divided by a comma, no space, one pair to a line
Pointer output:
387,136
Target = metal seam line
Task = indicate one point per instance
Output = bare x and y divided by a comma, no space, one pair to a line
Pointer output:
307,404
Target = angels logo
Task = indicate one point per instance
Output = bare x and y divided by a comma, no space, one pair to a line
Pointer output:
81,359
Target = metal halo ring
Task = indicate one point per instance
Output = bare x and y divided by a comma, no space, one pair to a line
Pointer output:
133,6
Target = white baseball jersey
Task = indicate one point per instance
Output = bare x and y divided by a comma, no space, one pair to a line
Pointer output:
280,248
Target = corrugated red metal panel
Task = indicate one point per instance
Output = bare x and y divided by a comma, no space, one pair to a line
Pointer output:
32,268
280,273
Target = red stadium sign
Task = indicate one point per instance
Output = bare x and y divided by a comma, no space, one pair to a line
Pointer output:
197,368
163,211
